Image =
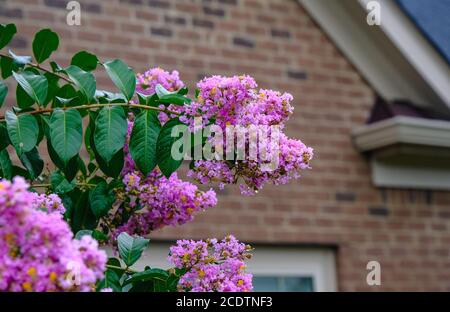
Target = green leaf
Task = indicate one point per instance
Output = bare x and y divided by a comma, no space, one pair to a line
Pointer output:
115,165
131,248
6,65
62,102
143,140
42,123
23,99
53,87
23,131
183,91
3,92
100,236
7,32
71,168
147,275
59,183
67,96
150,100
176,99
5,165
164,158
115,262
66,133
123,77
172,281
161,91
4,138
101,199
111,280
85,81
44,43
19,171
85,60
110,97
142,287
55,67
82,216
36,86
110,131
32,162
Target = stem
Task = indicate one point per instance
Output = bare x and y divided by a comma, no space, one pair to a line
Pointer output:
109,266
90,106
93,171
37,66
41,185
48,185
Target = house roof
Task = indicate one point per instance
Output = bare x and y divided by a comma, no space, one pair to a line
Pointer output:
383,109
432,19
396,57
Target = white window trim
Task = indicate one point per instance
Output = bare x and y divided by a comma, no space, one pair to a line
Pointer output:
402,130
296,261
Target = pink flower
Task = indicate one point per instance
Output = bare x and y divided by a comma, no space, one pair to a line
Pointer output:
212,265
37,249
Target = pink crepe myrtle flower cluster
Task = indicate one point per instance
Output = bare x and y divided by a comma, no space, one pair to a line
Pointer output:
220,98
212,265
235,101
158,201
147,82
37,249
155,201
48,203
294,156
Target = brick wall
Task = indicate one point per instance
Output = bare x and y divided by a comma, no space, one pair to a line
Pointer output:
278,43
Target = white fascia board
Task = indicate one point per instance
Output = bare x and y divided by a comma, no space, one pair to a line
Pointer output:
402,130
415,47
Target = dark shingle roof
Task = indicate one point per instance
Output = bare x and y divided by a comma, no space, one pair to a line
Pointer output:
432,18
383,109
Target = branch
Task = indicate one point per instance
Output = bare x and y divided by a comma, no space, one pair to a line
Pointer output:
90,106
37,66
109,266
48,185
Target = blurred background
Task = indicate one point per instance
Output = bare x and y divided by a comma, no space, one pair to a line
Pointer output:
371,83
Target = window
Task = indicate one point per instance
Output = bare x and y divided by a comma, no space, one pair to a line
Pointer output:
274,268
283,283
293,269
